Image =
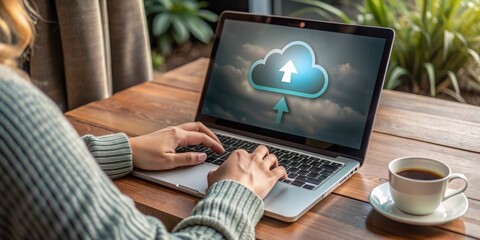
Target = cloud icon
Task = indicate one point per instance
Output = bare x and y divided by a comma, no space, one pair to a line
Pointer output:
291,70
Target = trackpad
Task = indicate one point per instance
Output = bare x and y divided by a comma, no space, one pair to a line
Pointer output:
187,179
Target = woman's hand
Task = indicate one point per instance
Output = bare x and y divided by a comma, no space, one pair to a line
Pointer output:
258,171
156,151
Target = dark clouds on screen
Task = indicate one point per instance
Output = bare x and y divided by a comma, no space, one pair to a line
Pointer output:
338,116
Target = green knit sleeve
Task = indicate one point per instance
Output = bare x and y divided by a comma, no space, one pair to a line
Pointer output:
52,188
229,208
112,153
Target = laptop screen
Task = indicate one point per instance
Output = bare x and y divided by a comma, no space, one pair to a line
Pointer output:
310,84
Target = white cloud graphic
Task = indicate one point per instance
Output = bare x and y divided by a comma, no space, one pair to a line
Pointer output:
345,70
253,51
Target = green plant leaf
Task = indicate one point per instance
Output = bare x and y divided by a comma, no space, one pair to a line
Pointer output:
180,33
377,8
166,3
161,23
473,75
207,15
454,95
327,7
395,77
199,29
157,60
461,38
322,13
431,77
447,43
453,79
191,6
474,55
424,33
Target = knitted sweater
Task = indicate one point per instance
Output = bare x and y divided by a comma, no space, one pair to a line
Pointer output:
52,185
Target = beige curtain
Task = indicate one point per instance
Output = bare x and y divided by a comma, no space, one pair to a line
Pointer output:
88,49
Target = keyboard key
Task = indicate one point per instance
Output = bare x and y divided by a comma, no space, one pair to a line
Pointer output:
303,172
304,156
316,169
250,148
293,170
297,158
329,167
304,166
217,162
324,162
322,177
309,180
298,183
316,164
282,163
230,148
306,161
286,181
336,164
308,186
292,175
224,155
313,175
294,164
327,172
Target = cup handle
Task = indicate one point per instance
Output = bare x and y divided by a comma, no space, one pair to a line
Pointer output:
457,191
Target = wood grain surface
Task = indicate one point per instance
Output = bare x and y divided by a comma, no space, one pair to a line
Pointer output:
406,125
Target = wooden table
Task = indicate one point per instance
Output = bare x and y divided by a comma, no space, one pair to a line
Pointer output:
406,125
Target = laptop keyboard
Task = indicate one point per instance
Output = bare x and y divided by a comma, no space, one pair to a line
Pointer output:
303,171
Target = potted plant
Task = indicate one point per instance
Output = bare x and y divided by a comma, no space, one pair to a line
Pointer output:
435,41
174,22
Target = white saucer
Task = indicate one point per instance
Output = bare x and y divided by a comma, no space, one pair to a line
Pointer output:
448,210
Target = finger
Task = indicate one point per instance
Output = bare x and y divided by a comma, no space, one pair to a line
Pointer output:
271,161
195,138
279,173
260,152
199,127
186,159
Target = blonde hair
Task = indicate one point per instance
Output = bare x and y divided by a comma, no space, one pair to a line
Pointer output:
16,31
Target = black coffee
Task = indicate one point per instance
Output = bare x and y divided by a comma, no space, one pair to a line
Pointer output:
419,174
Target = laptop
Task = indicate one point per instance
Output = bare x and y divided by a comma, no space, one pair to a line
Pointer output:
308,90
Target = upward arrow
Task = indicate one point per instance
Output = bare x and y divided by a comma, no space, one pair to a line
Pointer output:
288,69
281,107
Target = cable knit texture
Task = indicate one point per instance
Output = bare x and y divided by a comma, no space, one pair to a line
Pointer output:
52,185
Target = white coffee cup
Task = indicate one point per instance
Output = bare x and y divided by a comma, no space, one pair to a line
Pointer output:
416,196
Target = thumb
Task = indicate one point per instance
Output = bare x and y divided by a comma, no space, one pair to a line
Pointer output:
188,158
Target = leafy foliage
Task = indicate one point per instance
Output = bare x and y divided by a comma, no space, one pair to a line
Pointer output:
435,40
175,21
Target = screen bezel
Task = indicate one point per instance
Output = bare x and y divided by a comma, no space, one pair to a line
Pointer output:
290,140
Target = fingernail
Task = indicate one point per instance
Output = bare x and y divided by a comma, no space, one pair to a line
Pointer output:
202,157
